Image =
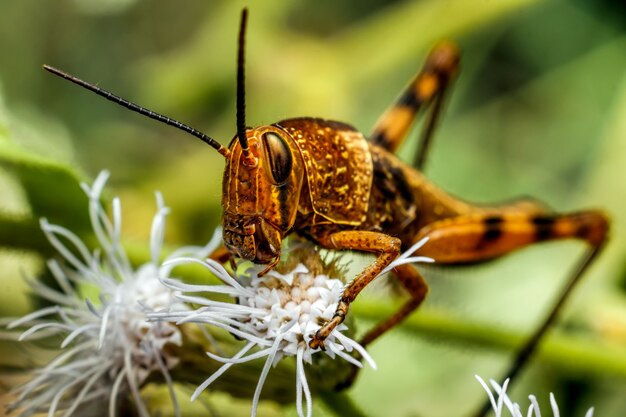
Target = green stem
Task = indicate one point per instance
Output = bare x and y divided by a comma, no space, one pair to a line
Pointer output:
51,188
571,354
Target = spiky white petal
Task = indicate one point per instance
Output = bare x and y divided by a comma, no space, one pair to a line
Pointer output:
107,345
513,408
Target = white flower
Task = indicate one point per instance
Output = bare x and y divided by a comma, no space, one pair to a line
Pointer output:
277,314
514,408
108,345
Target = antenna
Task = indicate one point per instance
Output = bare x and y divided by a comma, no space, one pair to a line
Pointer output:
241,88
141,110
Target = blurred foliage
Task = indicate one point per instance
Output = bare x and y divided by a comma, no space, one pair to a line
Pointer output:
539,109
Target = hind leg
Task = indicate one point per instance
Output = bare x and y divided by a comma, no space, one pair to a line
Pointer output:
427,89
479,237
484,236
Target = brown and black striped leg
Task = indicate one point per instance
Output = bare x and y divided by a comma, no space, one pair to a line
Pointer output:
479,237
592,227
428,87
482,236
387,249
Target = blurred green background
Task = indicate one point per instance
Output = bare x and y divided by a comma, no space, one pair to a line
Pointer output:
539,109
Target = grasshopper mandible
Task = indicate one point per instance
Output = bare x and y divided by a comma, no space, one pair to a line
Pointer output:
343,190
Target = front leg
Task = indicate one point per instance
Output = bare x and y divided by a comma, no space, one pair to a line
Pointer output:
387,249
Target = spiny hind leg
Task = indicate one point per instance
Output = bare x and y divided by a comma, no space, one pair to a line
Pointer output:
417,288
428,87
480,237
387,249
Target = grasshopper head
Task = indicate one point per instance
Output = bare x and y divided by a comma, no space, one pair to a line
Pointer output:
261,190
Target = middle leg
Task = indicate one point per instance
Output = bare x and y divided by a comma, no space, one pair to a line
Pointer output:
416,286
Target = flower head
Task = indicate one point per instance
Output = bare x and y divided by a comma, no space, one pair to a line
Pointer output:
108,347
276,313
504,402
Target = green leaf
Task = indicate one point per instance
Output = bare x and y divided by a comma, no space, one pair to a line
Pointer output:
22,232
52,189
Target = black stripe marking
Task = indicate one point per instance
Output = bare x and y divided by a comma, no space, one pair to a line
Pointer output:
392,182
402,185
583,231
543,227
409,98
493,228
381,139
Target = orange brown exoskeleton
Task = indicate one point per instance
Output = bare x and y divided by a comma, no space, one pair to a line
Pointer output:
329,183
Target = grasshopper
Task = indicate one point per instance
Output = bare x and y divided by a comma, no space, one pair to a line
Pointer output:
346,191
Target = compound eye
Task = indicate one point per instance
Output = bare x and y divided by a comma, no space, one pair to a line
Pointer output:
278,156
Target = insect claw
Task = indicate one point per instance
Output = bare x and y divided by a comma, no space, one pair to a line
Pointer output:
317,342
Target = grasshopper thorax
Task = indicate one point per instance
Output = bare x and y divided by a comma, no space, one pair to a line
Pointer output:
261,190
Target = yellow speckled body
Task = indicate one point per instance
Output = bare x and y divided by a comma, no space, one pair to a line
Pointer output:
338,167
351,184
